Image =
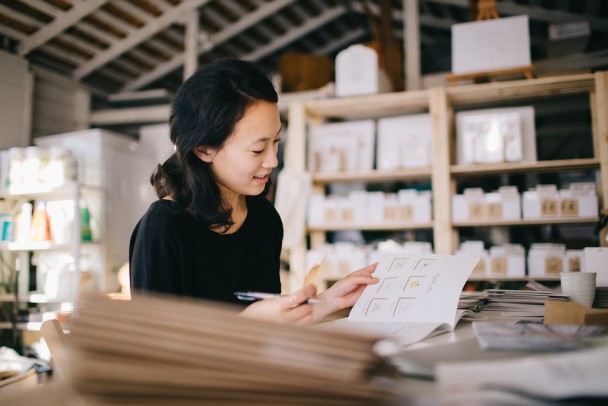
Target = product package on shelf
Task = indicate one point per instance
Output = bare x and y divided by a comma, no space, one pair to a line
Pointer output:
541,202
546,259
507,260
346,146
496,135
405,142
358,72
475,249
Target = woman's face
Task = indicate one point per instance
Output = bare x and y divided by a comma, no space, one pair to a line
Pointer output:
241,167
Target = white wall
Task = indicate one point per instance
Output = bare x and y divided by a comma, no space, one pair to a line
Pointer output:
15,101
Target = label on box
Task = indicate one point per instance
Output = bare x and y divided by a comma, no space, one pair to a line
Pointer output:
554,265
348,215
548,207
574,264
406,213
499,266
475,211
390,213
494,210
331,215
569,207
480,268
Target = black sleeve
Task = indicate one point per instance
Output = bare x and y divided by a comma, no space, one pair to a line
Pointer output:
156,254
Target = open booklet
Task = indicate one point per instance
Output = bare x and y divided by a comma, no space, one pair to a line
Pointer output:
416,297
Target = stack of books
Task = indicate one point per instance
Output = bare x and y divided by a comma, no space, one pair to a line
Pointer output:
160,350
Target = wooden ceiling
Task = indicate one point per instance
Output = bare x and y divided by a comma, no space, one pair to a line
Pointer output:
116,46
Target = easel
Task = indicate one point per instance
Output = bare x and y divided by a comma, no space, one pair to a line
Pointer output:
486,10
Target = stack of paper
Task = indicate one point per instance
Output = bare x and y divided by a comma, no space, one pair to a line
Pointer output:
520,303
153,350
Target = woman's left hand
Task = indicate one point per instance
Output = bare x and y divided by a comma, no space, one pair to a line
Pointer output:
344,293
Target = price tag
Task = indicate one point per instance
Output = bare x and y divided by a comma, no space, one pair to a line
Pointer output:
569,207
548,207
554,265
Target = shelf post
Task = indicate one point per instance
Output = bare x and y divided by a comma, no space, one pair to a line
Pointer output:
600,120
443,233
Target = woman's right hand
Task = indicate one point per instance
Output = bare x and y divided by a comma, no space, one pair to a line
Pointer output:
287,309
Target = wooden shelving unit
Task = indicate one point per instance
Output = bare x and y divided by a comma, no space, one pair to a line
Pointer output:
441,102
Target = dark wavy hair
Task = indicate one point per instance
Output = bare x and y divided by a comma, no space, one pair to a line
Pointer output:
204,112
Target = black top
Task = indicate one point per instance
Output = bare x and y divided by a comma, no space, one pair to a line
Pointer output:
170,252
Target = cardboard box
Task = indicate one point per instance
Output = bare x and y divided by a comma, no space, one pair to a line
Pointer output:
300,71
558,312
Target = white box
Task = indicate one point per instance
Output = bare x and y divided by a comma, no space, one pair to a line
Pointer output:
546,259
491,45
469,206
507,260
357,72
347,146
405,142
595,260
579,200
505,204
542,202
496,135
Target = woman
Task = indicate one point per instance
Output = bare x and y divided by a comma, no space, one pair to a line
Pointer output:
212,232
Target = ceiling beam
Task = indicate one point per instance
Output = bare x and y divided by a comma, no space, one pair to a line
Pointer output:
534,12
215,39
157,24
296,33
59,24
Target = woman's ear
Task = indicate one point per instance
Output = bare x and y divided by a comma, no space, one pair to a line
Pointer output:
205,154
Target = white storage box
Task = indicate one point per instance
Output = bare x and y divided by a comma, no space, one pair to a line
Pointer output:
404,142
496,135
357,72
579,200
347,146
487,45
573,260
507,260
546,259
505,204
468,206
476,249
541,202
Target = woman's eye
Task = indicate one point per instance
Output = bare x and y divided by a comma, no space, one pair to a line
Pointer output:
257,152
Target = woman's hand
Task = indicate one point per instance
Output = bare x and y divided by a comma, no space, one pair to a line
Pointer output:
288,309
344,293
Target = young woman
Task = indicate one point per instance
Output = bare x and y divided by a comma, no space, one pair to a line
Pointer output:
212,232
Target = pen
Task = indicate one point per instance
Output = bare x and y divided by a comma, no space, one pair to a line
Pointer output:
254,296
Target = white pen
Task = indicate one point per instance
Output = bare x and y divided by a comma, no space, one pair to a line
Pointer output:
253,296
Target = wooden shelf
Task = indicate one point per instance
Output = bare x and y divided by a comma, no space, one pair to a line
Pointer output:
373,227
523,167
370,106
521,89
372,176
526,222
